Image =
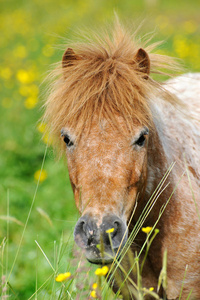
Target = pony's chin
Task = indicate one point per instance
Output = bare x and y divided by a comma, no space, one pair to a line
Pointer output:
100,261
95,257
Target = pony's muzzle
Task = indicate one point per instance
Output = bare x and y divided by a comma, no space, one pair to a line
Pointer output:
101,243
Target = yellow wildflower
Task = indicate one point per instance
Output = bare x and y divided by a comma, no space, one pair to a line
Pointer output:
110,230
146,229
40,175
94,286
41,127
26,76
102,271
63,276
30,102
23,76
47,139
98,272
93,294
151,289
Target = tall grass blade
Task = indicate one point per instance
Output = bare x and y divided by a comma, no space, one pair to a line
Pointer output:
7,230
183,282
45,256
162,280
188,297
36,275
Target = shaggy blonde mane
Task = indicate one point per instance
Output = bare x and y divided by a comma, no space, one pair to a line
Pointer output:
105,79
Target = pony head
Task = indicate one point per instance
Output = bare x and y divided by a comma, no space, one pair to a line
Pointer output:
100,105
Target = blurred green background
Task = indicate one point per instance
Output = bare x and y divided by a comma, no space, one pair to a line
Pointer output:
31,34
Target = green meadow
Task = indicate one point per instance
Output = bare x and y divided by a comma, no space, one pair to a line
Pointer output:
37,210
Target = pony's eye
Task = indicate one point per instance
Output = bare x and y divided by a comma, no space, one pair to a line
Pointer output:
141,141
67,141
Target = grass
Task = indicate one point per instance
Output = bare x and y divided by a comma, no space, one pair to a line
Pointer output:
38,214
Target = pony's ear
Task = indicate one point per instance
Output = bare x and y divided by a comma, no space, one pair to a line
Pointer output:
143,61
69,57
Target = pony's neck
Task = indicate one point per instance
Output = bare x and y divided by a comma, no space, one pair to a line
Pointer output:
160,152
159,162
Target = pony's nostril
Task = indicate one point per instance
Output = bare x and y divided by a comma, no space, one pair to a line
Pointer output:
114,233
113,229
117,224
86,233
83,225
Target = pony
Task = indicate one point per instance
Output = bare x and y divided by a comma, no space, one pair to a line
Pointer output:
132,145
